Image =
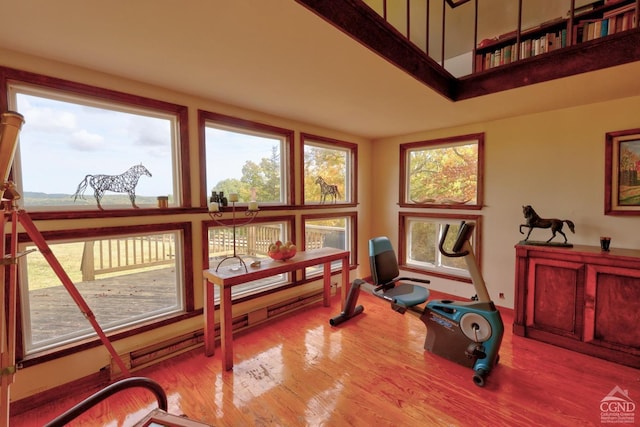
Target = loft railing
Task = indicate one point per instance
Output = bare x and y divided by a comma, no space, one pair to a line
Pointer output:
364,24
432,23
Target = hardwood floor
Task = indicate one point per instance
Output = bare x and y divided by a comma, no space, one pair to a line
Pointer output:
369,371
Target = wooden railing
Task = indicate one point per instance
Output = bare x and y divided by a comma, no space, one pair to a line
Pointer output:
255,239
127,253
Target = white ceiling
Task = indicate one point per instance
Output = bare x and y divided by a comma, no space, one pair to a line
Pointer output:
272,56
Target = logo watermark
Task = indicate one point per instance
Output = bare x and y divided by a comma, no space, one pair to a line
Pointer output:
617,407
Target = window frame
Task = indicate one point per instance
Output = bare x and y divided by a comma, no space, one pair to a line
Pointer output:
407,148
352,238
405,217
95,96
251,127
187,287
351,175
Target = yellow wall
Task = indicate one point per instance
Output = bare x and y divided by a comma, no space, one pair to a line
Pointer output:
553,161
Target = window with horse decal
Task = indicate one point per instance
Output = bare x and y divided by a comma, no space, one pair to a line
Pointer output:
72,143
328,168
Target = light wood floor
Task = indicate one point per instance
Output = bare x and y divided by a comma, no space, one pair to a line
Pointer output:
370,371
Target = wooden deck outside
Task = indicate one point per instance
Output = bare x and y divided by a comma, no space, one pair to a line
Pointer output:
54,313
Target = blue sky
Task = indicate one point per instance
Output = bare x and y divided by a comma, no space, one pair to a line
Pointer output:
61,142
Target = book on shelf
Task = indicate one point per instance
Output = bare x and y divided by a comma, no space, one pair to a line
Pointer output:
613,21
581,10
619,10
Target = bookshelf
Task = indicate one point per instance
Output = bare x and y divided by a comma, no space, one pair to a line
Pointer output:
592,21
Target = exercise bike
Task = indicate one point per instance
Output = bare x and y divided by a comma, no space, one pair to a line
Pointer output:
468,333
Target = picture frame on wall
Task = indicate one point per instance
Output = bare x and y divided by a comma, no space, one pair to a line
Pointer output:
622,173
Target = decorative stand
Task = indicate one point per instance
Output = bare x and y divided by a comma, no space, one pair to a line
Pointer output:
250,214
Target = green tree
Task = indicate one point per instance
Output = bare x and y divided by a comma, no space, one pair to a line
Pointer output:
259,181
447,173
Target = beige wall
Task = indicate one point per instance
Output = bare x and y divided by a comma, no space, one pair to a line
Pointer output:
552,160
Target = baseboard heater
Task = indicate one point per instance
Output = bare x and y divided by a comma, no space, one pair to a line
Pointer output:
163,350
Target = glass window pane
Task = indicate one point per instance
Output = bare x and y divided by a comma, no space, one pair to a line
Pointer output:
422,240
444,175
326,171
89,147
330,232
124,280
251,244
250,164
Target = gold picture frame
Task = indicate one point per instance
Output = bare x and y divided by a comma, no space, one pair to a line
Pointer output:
622,173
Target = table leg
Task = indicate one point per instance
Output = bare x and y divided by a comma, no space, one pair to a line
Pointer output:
345,281
226,328
209,320
326,294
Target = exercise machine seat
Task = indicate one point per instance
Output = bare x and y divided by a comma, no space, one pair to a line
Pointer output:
385,274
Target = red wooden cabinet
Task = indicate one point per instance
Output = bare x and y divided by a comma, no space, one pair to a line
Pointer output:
580,298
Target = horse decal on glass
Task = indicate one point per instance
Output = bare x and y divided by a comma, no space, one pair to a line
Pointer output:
327,190
534,221
124,183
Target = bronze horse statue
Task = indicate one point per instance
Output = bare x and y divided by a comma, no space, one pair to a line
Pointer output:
534,221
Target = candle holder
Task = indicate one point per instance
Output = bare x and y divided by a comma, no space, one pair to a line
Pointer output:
250,214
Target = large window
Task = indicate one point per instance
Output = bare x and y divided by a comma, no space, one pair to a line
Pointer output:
443,173
250,159
329,231
420,235
329,171
79,151
125,279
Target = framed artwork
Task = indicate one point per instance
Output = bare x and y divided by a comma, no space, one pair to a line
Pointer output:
622,173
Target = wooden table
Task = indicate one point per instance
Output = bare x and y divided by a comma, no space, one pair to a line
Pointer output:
226,279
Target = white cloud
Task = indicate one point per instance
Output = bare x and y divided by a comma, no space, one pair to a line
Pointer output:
84,140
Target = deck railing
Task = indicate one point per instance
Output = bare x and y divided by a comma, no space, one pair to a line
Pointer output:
255,239
127,253
104,256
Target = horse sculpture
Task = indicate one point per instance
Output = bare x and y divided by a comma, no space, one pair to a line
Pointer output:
124,183
327,190
534,221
